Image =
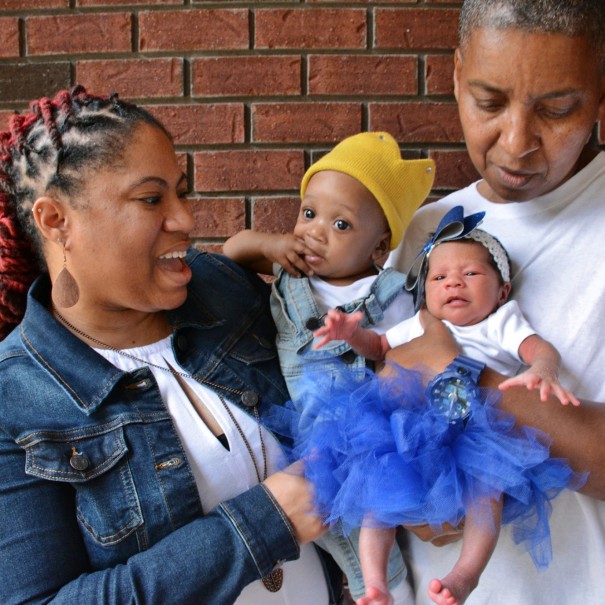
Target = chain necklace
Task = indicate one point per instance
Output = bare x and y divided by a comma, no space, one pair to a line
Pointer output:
273,582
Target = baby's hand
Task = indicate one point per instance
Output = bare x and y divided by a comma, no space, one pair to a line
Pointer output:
337,326
543,378
289,252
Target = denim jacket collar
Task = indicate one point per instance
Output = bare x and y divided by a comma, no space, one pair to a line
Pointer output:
86,377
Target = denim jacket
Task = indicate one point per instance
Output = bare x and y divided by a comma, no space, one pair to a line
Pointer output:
97,499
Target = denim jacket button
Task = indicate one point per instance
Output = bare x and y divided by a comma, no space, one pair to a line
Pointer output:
181,342
313,323
265,343
78,461
349,357
249,399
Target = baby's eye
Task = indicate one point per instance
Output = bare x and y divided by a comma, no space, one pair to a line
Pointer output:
341,225
308,213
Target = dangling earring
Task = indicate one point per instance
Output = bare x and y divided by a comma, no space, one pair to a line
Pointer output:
65,292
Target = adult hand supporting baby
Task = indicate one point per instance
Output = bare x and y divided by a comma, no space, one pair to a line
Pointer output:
435,349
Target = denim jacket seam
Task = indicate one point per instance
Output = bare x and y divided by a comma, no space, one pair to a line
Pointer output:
100,394
280,512
242,534
85,432
121,534
159,475
99,470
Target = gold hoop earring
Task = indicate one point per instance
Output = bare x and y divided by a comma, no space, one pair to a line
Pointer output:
65,292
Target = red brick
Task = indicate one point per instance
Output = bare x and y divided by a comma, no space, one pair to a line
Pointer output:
31,80
181,159
301,28
304,122
133,78
275,214
416,28
194,30
210,124
362,1
454,169
363,75
439,74
253,170
5,114
33,4
9,37
417,122
124,2
252,76
218,217
72,34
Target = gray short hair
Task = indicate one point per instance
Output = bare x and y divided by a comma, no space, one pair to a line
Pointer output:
569,17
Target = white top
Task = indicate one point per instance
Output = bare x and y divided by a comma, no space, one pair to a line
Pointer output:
222,473
557,248
327,296
494,341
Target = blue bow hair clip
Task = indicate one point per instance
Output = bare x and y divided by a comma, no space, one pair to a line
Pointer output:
454,225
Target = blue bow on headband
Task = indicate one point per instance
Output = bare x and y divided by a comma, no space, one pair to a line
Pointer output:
454,225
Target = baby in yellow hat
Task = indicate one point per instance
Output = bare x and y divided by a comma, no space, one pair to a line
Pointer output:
357,202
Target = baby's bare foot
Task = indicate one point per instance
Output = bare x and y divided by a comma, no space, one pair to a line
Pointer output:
374,596
452,590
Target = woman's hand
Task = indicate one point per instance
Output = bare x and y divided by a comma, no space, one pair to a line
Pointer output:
435,349
294,494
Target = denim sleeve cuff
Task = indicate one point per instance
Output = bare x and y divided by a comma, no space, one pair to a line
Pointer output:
263,527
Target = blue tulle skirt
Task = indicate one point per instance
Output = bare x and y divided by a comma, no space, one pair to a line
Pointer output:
379,455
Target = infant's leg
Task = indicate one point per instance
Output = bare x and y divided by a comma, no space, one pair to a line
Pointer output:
374,548
479,541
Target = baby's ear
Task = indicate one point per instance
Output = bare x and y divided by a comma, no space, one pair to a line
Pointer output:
382,247
504,293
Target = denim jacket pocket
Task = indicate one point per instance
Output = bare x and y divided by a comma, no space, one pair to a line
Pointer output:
94,461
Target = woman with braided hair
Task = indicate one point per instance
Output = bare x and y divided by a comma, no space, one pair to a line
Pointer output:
133,375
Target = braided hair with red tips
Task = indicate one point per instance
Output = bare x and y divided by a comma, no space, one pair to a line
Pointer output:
49,150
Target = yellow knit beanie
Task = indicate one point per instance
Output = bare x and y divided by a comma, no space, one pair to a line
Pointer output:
374,159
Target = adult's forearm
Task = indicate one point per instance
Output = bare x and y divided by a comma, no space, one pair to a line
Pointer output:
578,433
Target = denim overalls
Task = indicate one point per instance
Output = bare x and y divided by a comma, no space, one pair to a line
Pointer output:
292,306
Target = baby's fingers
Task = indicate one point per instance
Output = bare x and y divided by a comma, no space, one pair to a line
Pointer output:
563,395
510,382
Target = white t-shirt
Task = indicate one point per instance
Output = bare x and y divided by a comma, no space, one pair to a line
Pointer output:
222,473
557,249
494,341
327,296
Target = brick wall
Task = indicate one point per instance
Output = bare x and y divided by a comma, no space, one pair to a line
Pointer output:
253,91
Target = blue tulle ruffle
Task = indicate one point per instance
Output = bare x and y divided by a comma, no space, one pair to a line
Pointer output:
378,454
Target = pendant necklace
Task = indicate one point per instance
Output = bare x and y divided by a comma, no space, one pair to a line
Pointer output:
272,582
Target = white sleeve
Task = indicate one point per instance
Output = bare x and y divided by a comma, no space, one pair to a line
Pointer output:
404,331
509,327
